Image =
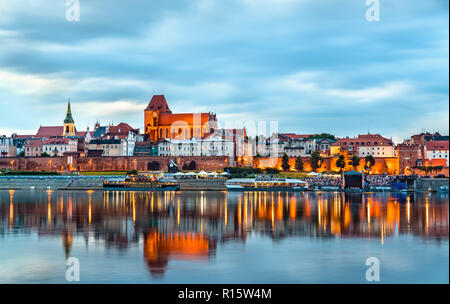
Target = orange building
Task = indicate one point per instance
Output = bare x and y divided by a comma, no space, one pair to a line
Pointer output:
161,123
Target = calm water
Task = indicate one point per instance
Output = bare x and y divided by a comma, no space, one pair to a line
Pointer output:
220,237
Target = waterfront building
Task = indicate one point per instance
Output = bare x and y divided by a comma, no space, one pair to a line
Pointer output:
33,148
160,123
437,149
7,147
211,146
364,145
59,146
408,155
110,147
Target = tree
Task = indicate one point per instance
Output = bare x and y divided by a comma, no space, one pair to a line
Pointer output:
340,162
285,163
322,136
355,161
22,153
45,154
299,164
316,160
369,162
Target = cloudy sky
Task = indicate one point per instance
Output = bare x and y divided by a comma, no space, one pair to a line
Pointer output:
313,66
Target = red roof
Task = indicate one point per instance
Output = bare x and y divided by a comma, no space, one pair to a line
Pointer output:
158,103
122,128
441,145
364,140
34,144
295,136
50,131
57,141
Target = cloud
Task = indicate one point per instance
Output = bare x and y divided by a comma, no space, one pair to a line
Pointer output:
313,66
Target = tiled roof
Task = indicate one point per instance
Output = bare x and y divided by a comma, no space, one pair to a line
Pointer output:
34,144
57,141
158,103
105,141
368,140
437,145
48,131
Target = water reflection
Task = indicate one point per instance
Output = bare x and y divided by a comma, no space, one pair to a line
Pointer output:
187,226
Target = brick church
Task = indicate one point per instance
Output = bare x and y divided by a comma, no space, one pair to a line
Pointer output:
161,123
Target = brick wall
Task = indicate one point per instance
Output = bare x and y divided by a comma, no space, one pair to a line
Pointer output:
120,163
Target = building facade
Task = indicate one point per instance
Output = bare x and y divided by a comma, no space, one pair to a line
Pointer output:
160,123
7,147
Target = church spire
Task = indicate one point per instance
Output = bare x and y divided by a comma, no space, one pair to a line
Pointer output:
69,118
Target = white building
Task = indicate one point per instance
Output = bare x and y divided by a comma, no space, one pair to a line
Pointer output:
58,146
213,146
437,149
7,148
377,151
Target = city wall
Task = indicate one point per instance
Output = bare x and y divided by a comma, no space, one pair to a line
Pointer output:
119,163
389,165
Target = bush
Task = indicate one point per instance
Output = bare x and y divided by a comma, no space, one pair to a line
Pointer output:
132,172
46,173
272,170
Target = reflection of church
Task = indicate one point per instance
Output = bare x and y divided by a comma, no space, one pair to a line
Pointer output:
190,231
161,123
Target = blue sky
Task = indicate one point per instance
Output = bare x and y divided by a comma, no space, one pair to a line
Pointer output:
313,66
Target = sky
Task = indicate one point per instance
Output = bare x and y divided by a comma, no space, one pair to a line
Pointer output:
312,66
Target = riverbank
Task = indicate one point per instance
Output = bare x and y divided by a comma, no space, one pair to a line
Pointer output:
96,183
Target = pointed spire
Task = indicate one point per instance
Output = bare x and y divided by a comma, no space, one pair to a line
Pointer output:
69,118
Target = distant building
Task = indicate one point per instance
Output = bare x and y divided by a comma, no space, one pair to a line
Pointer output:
7,147
212,146
161,124
437,149
110,147
364,145
59,146
33,148
408,155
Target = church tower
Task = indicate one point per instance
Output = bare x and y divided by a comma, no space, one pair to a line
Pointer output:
69,124
157,106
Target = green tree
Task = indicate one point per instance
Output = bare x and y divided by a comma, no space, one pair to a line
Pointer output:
285,163
369,162
355,161
340,162
316,160
299,164
22,153
45,154
322,136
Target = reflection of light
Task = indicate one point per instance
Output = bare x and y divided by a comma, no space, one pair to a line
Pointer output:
90,207
293,208
225,220
178,212
408,209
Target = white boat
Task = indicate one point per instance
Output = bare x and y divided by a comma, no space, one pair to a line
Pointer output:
273,184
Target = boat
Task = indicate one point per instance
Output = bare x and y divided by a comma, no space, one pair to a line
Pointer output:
140,183
266,184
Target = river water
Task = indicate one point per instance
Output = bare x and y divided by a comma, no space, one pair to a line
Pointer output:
220,237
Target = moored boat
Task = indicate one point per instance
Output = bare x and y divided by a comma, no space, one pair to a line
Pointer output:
272,184
140,183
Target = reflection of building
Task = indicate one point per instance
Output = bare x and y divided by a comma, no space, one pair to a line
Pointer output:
159,248
160,123
188,226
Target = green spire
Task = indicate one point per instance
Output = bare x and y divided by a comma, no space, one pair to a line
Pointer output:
69,118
